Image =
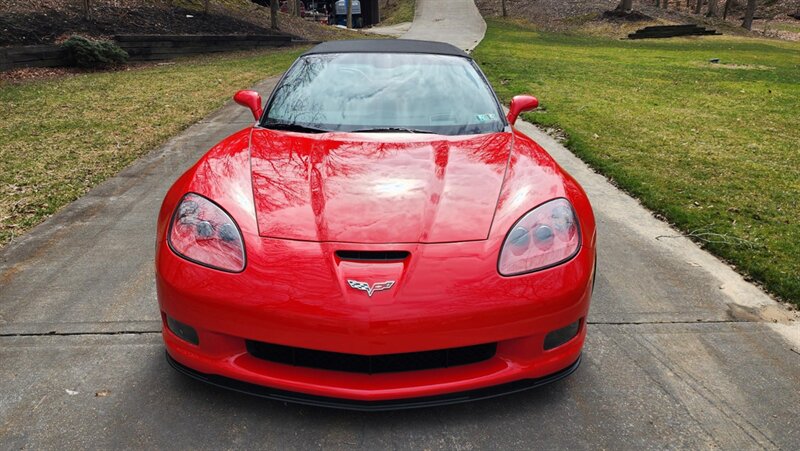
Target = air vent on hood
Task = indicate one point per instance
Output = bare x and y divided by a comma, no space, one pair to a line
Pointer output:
379,256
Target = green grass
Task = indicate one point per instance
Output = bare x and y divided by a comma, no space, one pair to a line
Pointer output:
715,148
59,137
398,11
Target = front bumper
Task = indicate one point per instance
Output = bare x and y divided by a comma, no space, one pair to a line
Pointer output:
446,296
373,406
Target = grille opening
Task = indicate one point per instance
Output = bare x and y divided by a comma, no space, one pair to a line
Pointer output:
559,337
183,331
383,256
386,363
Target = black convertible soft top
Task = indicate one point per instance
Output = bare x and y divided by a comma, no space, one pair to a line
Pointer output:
387,46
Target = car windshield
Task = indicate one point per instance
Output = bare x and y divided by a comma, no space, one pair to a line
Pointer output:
387,92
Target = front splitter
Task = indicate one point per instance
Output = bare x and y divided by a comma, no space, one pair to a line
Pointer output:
373,406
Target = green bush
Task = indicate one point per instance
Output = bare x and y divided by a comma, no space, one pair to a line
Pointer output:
90,53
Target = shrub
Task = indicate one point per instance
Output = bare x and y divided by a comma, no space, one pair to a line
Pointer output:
90,53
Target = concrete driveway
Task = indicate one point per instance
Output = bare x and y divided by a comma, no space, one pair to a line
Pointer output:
455,21
681,352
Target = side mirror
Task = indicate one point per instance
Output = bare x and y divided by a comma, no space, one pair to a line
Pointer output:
250,99
521,104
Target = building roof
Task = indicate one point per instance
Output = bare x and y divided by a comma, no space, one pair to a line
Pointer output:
387,46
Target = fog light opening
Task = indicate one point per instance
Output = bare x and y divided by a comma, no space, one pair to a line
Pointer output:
183,331
561,336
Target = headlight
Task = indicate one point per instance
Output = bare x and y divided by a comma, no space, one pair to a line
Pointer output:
546,236
203,233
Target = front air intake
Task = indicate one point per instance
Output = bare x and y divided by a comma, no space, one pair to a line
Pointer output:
375,256
371,364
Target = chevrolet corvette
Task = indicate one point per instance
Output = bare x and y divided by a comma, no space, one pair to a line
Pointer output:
381,237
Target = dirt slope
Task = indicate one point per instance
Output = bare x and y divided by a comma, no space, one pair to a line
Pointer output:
27,22
774,19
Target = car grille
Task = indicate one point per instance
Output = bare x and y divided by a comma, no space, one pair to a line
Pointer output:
386,363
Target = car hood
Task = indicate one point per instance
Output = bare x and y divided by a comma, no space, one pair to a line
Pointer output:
377,188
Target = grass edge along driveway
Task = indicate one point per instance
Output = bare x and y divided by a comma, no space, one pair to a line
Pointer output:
711,147
60,137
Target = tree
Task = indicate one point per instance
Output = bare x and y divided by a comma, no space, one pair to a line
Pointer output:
725,11
273,13
712,8
205,7
698,6
297,8
85,8
504,8
624,5
748,15
349,13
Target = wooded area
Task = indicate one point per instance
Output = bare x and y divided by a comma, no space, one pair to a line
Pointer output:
712,8
293,7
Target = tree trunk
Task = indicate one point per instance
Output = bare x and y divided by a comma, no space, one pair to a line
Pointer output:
205,7
725,11
665,4
85,8
658,3
712,8
698,6
349,13
297,8
748,15
273,13
624,5
505,14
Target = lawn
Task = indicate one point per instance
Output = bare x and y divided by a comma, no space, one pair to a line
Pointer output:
60,137
711,147
398,11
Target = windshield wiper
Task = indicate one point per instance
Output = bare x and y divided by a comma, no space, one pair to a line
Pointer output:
392,129
293,127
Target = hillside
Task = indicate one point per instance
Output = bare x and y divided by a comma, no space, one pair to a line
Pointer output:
27,22
773,16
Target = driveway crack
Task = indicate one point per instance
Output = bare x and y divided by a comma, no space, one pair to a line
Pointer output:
636,323
69,334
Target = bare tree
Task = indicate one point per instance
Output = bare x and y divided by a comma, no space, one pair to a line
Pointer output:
748,15
665,4
273,13
85,8
297,8
205,7
504,8
712,8
725,11
625,5
349,13
698,6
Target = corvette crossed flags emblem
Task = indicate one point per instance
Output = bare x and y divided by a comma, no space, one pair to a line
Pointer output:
364,286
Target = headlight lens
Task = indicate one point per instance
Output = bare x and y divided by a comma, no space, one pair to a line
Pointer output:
203,233
546,236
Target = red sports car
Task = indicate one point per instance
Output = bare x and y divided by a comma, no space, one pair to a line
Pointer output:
381,237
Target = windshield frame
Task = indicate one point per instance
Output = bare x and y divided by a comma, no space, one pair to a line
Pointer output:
262,121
